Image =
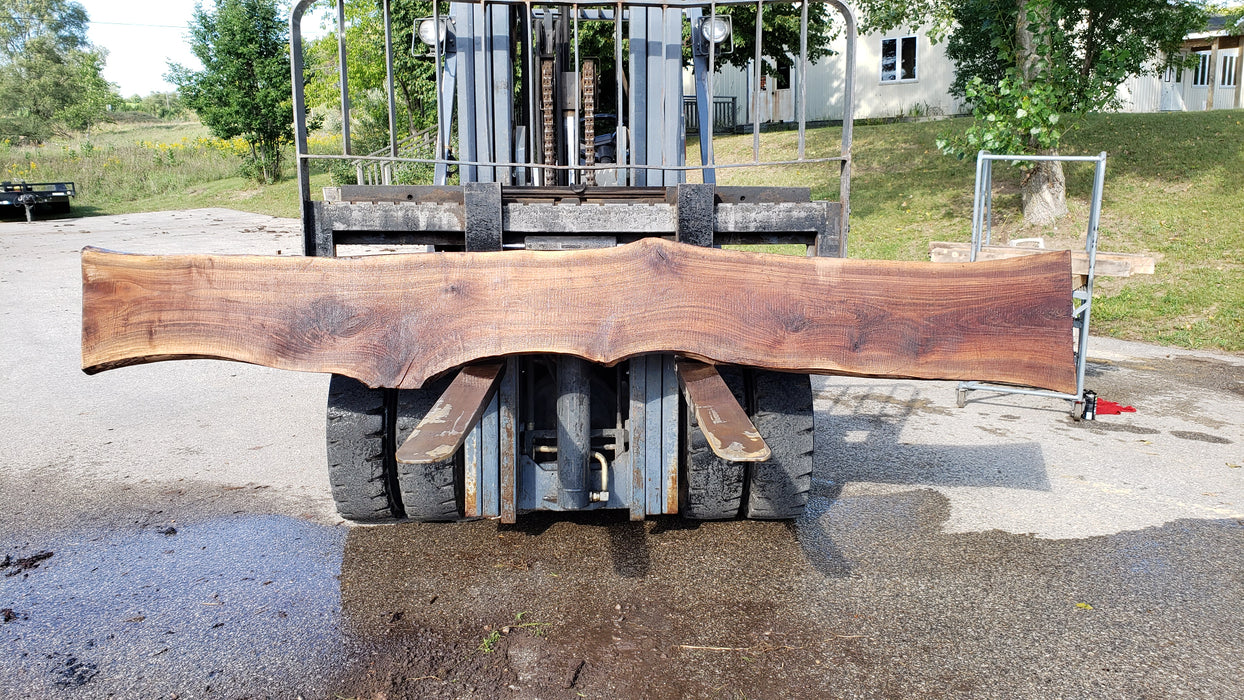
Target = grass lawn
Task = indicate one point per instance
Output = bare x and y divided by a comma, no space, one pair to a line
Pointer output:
152,167
1174,188
233,192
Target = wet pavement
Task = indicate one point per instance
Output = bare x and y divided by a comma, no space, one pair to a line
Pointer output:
131,612
998,550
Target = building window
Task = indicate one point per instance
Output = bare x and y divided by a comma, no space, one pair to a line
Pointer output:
1228,72
898,59
1172,75
785,68
1201,77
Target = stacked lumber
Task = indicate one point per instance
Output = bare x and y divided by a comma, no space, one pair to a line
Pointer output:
1106,264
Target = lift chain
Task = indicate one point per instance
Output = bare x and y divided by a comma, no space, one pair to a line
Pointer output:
589,120
550,131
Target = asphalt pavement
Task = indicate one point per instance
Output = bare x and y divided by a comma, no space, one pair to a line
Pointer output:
166,531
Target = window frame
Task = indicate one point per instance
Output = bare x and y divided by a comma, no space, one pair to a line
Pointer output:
898,42
1227,78
1200,74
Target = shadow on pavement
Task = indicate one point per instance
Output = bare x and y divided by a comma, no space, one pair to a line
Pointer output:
861,437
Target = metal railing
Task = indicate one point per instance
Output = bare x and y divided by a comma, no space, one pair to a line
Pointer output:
725,114
377,169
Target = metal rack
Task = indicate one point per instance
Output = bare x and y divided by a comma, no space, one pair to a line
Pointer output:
1082,402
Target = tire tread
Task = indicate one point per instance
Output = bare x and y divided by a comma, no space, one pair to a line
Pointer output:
778,489
355,435
714,486
429,491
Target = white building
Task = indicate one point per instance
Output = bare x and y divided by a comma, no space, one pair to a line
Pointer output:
901,73
1213,83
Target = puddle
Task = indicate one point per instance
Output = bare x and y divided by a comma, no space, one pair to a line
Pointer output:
233,606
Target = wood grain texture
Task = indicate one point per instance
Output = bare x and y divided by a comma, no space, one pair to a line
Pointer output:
397,320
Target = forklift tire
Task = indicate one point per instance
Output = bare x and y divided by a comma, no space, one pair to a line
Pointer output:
360,457
430,492
781,409
713,487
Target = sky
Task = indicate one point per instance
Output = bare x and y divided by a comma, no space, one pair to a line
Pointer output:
142,36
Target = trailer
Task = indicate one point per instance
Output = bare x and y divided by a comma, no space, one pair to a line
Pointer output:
52,196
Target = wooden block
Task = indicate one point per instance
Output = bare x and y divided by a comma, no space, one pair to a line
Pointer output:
397,320
1108,264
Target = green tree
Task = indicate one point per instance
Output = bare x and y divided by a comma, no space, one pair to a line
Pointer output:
780,34
50,75
60,21
1232,13
160,105
244,89
165,105
93,94
414,81
1027,65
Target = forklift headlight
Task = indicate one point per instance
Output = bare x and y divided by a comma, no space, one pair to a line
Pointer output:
718,30
428,31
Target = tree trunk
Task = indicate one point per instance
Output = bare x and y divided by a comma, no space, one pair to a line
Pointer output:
1044,193
272,161
1044,189
410,107
1025,50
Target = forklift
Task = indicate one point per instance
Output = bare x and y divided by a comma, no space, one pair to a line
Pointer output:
525,158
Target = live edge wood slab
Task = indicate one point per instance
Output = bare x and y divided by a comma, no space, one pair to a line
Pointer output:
398,320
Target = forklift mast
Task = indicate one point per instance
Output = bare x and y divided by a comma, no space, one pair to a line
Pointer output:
543,143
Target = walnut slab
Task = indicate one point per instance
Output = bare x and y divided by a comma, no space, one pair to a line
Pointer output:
398,320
